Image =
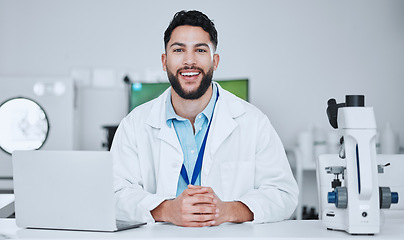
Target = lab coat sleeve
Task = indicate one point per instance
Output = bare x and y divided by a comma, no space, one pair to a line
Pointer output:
275,195
132,202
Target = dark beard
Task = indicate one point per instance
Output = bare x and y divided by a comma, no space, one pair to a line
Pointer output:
199,92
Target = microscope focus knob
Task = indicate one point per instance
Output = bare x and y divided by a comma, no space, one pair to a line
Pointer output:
394,197
339,197
332,197
387,197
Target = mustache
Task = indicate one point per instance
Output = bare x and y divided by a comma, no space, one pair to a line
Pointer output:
192,67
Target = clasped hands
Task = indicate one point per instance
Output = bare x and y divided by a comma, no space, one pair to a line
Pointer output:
199,206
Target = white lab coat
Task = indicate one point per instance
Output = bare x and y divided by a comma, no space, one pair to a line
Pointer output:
244,161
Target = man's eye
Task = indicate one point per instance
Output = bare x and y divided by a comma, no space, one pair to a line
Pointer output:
201,50
177,50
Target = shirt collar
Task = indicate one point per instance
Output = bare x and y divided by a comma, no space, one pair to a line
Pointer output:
171,115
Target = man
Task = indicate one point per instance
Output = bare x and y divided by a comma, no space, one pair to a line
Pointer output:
198,155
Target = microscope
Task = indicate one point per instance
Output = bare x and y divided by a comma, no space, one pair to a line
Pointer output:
352,200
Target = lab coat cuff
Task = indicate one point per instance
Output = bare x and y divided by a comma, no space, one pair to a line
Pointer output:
254,208
151,202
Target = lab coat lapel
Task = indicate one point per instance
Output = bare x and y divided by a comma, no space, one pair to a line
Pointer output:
170,153
157,119
222,126
168,136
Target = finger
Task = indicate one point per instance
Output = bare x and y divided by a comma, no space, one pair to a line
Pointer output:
207,209
193,204
214,223
199,217
193,191
203,217
201,199
208,195
209,189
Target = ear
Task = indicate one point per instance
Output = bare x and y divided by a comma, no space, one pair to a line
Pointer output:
164,61
216,59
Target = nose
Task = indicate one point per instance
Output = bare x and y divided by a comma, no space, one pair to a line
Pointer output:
189,58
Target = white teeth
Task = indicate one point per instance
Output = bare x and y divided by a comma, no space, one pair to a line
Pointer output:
188,74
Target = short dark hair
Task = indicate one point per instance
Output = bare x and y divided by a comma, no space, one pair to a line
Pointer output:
191,18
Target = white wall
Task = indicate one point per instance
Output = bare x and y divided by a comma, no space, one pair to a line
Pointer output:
297,54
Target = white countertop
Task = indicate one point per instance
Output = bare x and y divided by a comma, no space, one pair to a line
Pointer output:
293,229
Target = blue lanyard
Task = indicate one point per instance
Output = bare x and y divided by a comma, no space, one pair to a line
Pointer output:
198,164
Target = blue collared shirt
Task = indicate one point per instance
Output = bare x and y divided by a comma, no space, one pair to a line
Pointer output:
190,142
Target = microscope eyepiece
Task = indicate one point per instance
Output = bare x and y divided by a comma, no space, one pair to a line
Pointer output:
354,100
332,111
350,101
331,102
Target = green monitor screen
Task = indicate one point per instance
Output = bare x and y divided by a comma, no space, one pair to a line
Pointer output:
144,92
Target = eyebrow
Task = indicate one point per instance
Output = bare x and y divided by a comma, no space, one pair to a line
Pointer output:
183,45
177,44
202,45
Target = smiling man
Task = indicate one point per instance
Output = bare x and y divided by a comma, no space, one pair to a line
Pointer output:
198,155
191,55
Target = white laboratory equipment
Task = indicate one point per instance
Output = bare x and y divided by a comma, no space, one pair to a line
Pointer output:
350,195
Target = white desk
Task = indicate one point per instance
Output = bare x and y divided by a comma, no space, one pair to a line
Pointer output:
293,229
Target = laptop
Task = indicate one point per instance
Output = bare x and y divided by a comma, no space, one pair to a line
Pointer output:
69,190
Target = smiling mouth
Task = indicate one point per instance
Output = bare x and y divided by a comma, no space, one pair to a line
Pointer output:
190,74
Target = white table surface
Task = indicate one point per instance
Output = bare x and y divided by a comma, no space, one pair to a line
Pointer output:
293,229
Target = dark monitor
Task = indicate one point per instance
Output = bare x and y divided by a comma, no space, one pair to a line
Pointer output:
144,92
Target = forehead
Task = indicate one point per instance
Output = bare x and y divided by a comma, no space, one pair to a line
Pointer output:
189,35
